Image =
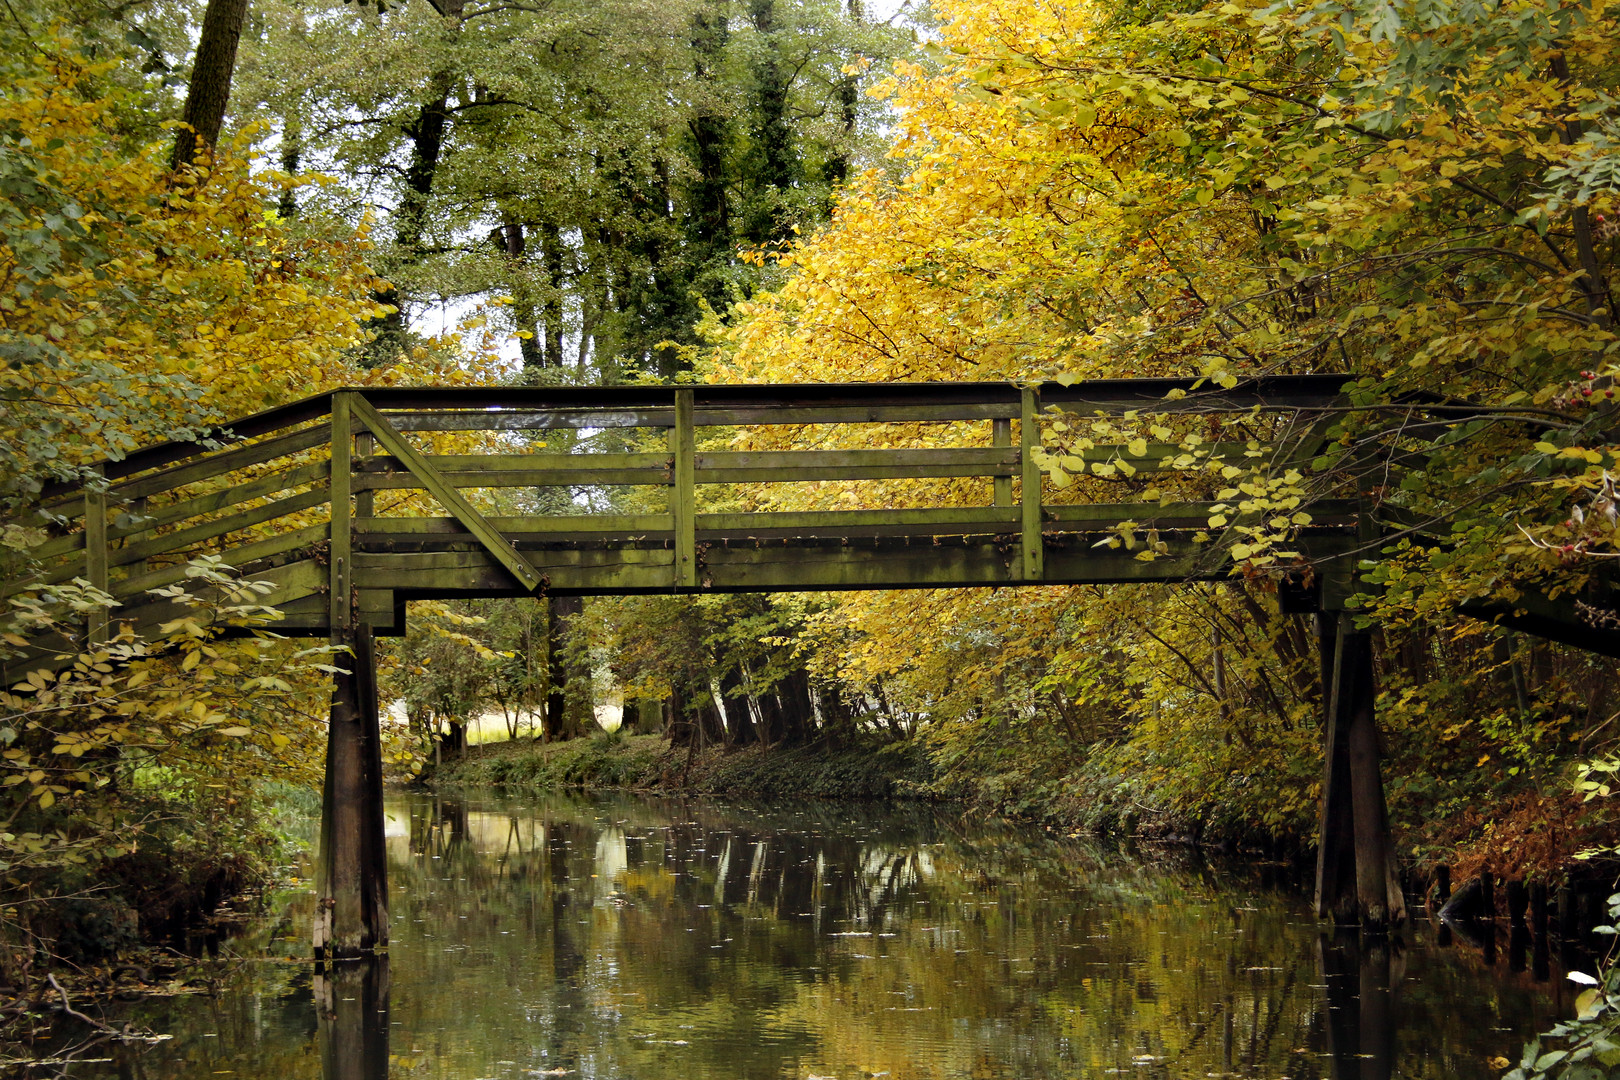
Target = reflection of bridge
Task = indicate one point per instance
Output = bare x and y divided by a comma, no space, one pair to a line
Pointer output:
291,496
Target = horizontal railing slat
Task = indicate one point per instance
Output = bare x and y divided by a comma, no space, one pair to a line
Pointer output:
368,529
225,497
218,464
208,530
236,557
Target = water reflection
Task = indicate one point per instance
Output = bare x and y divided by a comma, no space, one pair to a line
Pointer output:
688,939
1361,980
351,1006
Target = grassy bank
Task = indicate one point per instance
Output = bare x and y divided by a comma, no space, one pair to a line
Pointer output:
648,763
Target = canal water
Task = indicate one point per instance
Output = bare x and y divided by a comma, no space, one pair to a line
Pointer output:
666,939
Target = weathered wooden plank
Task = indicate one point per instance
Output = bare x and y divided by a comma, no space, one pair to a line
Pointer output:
683,500
185,538
725,467
1180,514
1271,390
95,557
490,408
532,419
525,463
56,575
578,477
777,567
919,525
340,561
236,557
365,450
924,521
799,466
225,497
59,546
986,458
180,476
371,530
476,573
448,497
1001,436
1030,544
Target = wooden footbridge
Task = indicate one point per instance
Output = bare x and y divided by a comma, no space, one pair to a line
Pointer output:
354,502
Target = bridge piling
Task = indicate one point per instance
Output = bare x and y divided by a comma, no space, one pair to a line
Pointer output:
351,917
1356,879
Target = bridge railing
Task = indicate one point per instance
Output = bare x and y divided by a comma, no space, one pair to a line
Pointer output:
292,492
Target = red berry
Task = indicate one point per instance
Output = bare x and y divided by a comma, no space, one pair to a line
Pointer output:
1586,391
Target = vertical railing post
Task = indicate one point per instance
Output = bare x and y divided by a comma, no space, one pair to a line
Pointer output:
683,499
1029,437
365,445
137,511
96,558
341,610
1001,438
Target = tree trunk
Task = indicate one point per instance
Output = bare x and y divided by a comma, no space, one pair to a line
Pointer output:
711,728
531,344
740,730
710,213
292,151
798,711
772,129
210,88
551,261
569,706
677,722
839,718
426,135
848,96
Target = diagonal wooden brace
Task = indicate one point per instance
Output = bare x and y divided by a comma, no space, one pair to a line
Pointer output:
491,537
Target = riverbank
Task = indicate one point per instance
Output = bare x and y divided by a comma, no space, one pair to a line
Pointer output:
1533,835
649,763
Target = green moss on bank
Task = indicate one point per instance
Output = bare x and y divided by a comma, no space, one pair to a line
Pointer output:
647,763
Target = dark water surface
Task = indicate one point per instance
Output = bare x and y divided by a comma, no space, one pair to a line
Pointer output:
617,937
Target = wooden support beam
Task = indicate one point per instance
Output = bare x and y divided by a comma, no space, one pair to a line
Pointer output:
1335,835
373,842
351,914
683,496
392,441
95,558
1001,436
1031,546
365,448
1357,879
341,559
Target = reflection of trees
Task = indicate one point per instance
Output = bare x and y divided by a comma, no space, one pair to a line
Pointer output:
657,939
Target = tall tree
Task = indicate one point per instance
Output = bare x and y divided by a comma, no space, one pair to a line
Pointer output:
209,90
